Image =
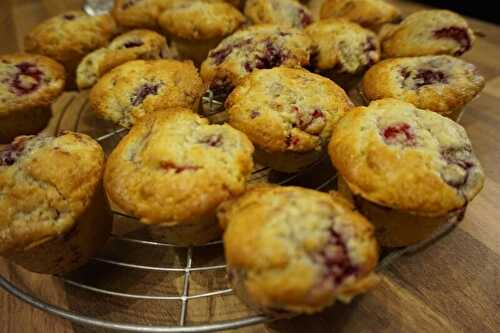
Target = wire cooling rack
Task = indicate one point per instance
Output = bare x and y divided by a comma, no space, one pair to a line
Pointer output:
213,110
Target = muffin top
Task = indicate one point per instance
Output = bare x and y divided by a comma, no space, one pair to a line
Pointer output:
68,37
257,47
132,45
427,32
284,12
130,91
174,166
438,83
28,81
287,109
368,13
46,183
297,249
197,20
398,156
139,13
343,46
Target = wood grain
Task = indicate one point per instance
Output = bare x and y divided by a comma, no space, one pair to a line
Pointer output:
454,286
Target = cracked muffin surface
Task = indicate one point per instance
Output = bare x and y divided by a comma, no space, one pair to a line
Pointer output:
286,109
342,46
443,84
296,250
174,166
427,32
283,12
398,156
136,88
257,47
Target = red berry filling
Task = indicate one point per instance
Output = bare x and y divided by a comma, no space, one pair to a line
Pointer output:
368,48
170,166
401,133
462,158
11,153
69,17
273,56
144,91
291,141
335,258
27,79
305,119
254,114
213,140
304,18
221,87
219,55
458,34
428,76
133,43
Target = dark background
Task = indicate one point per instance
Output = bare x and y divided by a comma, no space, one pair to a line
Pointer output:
482,9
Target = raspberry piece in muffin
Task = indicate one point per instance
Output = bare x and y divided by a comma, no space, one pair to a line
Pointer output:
288,113
443,84
136,88
427,32
342,46
69,37
306,249
132,45
28,86
258,47
371,14
173,169
63,218
283,12
408,170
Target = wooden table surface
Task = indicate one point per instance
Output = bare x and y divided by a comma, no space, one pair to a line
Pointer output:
453,286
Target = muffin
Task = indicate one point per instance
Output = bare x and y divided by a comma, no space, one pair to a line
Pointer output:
342,50
284,12
136,88
289,115
28,86
133,45
54,215
133,14
173,169
427,32
295,250
196,27
257,47
407,170
442,83
371,14
69,37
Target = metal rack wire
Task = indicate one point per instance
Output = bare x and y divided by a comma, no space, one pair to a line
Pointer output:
185,296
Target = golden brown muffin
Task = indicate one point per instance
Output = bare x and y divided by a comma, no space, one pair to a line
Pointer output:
69,37
196,27
28,86
136,88
296,250
173,169
257,47
54,215
342,46
427,32
135,14
132,45
288,113
371,14
284,12
443,84
408,170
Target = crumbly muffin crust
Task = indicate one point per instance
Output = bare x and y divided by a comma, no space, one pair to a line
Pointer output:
132,45
295,249
197,20
286,109
368,13
135,14
257,47
342,46
68,37
134,89
427,32
438,83
173,167
46,184
284,12
397,156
